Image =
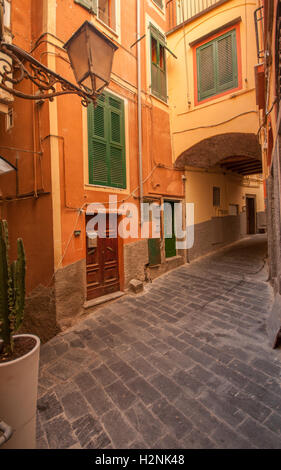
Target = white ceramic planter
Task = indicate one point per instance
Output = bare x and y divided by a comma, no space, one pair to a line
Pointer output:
18,397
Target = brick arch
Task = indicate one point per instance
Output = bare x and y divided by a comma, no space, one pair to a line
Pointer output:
219,148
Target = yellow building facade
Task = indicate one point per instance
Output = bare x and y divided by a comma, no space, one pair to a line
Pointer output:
215,119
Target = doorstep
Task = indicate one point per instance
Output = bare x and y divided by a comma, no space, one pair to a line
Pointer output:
103,299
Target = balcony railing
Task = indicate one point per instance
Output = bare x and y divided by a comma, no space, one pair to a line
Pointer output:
187,9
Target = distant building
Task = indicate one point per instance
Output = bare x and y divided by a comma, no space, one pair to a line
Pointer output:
268,98
215,119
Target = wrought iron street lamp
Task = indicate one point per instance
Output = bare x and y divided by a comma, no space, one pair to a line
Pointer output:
91,57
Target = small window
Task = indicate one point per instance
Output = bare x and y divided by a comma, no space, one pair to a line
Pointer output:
158,64
107,12
216,196
217,67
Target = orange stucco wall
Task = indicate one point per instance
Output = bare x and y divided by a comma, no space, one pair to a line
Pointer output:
155,124
58,133
30,217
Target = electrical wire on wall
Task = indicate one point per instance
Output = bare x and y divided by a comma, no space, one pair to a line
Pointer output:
185,55
246,34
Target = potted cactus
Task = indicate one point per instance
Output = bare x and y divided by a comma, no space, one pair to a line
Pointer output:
19,353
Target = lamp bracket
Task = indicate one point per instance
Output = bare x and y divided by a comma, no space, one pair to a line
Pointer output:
16,66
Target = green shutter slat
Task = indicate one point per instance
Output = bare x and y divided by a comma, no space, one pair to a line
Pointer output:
116,167
163,85
117,150
227,62
116,127
206,71
114,103
157,34
154,80
99,121
158,69
90,111
100,171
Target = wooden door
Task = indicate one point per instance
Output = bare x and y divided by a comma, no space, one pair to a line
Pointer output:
170,240
251,215
102,265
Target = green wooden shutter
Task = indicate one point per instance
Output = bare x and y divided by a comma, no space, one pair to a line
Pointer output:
206,71
227,62
91,5
158,70
106,135
116,146
98,172
217,69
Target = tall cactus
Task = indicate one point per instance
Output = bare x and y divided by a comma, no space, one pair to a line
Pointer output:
12,289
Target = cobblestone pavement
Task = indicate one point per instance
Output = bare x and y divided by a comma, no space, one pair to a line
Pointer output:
185,365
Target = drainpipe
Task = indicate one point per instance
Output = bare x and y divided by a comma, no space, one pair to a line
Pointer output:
139,100
7,432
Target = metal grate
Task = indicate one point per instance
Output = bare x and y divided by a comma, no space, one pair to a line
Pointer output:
115,128
116,166
207,70
99,121
99,166
225,61
186,9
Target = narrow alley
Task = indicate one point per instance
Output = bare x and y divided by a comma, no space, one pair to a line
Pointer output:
187,364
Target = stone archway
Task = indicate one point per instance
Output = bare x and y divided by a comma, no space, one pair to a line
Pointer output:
236,151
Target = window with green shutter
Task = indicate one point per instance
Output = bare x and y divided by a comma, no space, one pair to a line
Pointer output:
217,69
106,135
158,64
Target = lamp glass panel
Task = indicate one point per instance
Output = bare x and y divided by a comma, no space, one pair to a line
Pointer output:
102,56
78,54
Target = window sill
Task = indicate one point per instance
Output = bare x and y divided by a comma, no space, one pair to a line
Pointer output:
161,10
112,31
160,99
111,189
217,96
216,100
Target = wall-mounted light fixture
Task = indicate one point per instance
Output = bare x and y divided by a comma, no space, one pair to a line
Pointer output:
91,57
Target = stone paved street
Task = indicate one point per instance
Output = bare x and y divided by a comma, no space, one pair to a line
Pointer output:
185,365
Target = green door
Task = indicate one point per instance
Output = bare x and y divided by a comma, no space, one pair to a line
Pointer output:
154,251
169,229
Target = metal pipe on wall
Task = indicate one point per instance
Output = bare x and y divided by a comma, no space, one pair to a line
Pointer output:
139,98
